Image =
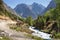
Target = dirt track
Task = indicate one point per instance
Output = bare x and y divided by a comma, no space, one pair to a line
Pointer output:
12,33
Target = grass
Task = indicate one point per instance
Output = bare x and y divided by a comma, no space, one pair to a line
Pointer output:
57,36
16,28
5,38
46,31
33,37
20,28
27,31
27,35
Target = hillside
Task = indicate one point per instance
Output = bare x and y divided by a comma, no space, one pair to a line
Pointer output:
24,11
9,18
7,11
29,10
48,23
34,9
57,1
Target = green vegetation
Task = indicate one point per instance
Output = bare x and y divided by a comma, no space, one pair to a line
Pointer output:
33,37
4,12
52,17
22,28
5,38
39,22
29,20
15,17
16,28
57,36
50,21
42,22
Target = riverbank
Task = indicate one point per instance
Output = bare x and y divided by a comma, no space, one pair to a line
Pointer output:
40,34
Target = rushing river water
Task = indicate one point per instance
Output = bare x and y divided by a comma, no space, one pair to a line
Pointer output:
38,33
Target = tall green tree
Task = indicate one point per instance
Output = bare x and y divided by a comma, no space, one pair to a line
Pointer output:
29,20
39,22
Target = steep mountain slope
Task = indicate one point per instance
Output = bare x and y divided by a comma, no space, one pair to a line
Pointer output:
33,10
24,11
29,10
1,7
7,11
52,4
37,8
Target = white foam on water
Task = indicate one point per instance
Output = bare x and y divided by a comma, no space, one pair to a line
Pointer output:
39,33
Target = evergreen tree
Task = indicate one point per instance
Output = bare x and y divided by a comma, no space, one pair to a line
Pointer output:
39,23
29,20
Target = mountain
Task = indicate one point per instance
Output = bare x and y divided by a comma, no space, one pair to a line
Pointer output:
33,10
37,8
6,11
29,10
24,11
52,4
9,9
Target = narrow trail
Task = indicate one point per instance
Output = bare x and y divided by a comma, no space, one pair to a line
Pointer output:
12,33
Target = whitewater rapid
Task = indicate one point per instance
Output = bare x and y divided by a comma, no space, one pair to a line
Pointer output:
39,33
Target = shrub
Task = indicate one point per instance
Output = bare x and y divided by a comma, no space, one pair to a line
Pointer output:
5,38
57,35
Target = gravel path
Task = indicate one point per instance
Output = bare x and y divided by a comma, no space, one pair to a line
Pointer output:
12,33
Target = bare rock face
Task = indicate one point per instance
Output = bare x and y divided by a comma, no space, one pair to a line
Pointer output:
33,10
29,10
